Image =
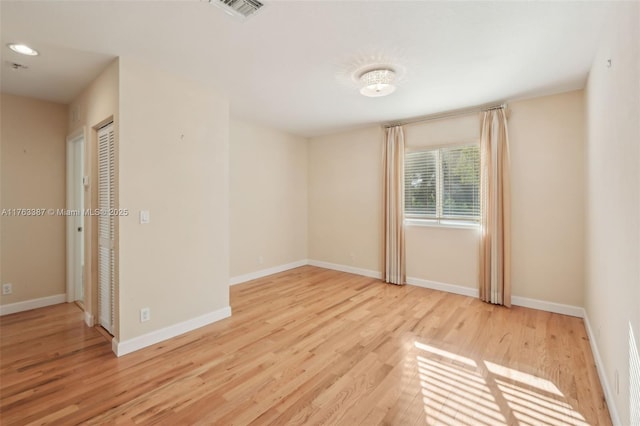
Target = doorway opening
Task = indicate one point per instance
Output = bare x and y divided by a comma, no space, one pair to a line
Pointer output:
76,182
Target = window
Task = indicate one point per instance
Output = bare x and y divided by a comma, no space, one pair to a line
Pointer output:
443,184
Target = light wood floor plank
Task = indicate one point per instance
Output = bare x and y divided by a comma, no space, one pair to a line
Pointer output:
310,346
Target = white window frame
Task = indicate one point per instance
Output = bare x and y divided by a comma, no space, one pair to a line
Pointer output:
438,220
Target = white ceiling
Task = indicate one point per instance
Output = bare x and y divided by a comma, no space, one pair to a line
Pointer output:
290,65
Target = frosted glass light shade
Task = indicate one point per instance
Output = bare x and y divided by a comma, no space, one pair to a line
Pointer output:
378,82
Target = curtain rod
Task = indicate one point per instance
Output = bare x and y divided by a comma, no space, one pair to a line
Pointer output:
447,114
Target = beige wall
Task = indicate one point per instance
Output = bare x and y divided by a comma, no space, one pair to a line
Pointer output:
452,130
434,253
613,204
98,102
345,176
268,198
444,255
173,161
33,146
548,201
95,106
345,199
547,192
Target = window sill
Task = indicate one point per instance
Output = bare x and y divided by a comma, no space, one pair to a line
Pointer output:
441,224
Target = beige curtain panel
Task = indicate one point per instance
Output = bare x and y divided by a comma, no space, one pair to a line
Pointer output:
495,208
393,198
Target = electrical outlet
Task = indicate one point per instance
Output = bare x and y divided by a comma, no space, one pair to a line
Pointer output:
260,260
145,314
7,288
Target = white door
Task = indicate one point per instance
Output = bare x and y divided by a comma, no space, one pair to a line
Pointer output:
106,225
75,218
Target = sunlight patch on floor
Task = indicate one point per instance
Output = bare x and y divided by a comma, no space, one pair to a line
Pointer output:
453,390
519,376
448,355
536,408
459,390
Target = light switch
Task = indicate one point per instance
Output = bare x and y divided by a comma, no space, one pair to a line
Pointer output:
144,216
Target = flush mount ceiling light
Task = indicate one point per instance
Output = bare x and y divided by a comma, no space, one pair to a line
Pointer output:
22,49
378,82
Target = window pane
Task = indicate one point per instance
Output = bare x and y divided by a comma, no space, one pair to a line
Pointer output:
420,183
460,181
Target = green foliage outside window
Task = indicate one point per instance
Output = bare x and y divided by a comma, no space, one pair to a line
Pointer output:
443,183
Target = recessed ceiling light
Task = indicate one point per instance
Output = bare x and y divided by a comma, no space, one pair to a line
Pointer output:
378,82
23,49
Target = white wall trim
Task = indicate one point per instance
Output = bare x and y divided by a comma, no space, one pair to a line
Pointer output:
72,268
449,288
27,305
344,268
132,345
88,319
608,391
268,271
543,305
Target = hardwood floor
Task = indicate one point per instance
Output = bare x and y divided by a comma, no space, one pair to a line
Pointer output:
310,346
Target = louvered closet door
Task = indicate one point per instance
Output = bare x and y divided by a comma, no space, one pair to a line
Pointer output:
106,225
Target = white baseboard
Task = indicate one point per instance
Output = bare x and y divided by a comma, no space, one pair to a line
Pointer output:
137,343
265,272
27,305
344,268
88,319
608,391
449,288
543,305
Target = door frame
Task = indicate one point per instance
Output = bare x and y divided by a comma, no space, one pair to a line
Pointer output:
75,274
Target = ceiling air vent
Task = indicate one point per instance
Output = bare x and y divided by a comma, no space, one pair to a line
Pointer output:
241,8
16,66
